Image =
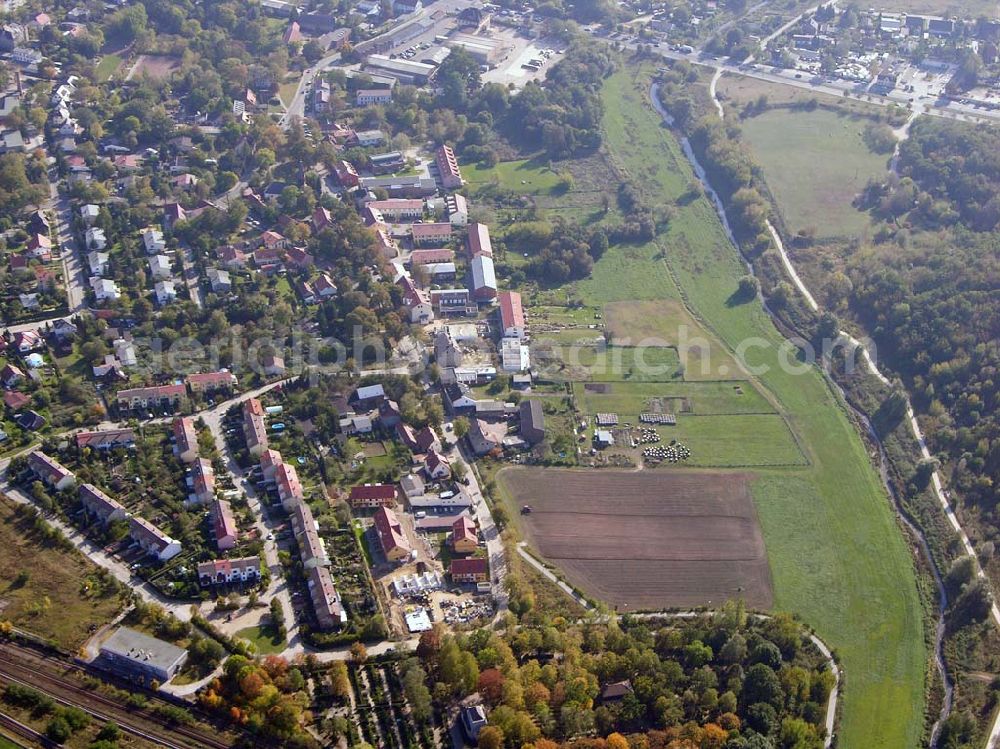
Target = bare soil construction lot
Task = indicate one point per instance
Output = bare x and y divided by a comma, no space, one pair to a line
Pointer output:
646,540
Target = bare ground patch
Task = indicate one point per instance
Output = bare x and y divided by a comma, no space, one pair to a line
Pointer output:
647,540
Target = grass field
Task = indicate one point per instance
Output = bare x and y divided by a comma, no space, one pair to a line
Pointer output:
107,66
52,592
815,164
836,554
260,635
700,398
525,176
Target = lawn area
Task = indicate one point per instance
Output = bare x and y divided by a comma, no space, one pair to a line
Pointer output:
735,441
54,592
836,553
815,164
107,66
525,176
700,398
287,89
260,635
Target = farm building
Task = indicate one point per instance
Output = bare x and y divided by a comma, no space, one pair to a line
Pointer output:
532,421
484,279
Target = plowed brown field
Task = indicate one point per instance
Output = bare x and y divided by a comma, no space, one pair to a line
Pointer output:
646,540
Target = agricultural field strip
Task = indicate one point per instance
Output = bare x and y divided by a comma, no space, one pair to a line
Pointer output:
822,582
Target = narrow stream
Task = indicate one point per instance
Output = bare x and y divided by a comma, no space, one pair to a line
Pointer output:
699,171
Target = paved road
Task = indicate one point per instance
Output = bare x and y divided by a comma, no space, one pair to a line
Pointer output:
297,106
264,524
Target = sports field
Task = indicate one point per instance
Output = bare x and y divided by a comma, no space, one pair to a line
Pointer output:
646,540
815,162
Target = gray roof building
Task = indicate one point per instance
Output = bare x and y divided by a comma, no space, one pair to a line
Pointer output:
139,657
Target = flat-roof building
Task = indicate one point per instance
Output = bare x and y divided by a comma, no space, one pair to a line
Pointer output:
139,657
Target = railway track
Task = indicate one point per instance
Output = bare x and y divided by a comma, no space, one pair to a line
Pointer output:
18,728
29,669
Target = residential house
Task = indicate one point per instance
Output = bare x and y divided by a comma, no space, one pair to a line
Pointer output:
274,365
398,209
346,174
368,397
227,571
40,247
326,602
458,398
486,436
224,525
185,439
289,487
511,315
368,496
10,376
417,302
254,428
456,209
471,570
447,166
159,267
153,241
367,97
50,471
430,235
390,535
431,256
464,539
210,382
100,506
152,540
231,257
156,398
321,219
95,238
89,213
514,355
389,414
15,401
98,262
165,292
436,466
106,439
26,341
105,290
325,287
312,550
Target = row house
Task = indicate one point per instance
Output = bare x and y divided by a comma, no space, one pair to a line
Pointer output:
225,571
210,382
100,506
159,396
201,481
185,439
50,471
152,540
368,496
447,166
254,427
223,525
